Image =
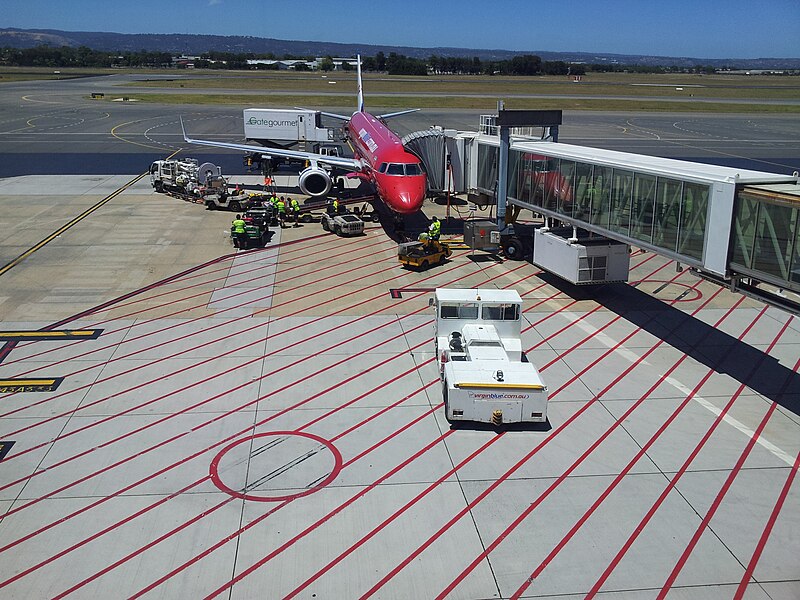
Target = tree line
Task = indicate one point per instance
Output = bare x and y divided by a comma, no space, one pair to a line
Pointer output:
393,64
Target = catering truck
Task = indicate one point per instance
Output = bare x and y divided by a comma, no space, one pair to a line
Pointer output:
270,125
485,375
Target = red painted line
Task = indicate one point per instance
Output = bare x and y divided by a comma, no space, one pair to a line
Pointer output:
176,464
273,416
181,299
233,411
185,324
258,564
196,558
621,475
149,298
197,332
577,376
190,522
567,306
198,427
505,476
728,481
197,365
397,432
649,515
765,535
397,514
375,531
4,351
374,589
596,332
94,536
336,410
215,477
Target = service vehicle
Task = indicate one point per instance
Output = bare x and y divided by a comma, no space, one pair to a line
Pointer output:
189,180
219,200
261,215
485,375
174,175
342,224
269,125
424,253
256,229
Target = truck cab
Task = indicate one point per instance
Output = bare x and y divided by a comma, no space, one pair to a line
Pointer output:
485,375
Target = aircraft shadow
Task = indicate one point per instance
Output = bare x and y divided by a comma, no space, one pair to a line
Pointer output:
711,347
505,427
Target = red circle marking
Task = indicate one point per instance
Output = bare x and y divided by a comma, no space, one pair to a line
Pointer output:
214,467
697,296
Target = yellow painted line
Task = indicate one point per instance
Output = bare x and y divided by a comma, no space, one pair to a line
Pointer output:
74,221
505,386
49,335
14,386
38,382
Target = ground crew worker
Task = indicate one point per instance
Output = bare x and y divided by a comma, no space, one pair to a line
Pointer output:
239,233
296,210
434,229
336,206
273,200
281,205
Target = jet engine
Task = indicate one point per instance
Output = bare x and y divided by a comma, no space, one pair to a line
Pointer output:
315,181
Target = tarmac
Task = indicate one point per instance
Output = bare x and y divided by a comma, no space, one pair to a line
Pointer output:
268,423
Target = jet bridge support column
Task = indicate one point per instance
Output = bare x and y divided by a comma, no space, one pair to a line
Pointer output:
506,119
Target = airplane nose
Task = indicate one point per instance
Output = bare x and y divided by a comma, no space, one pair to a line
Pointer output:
409,202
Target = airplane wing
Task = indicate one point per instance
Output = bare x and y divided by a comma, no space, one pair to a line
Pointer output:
327,114
398,113
334,161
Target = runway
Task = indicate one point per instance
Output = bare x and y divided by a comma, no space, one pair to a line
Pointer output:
52,124
269,423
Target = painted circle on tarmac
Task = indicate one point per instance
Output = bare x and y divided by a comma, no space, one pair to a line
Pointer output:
276,466
669,291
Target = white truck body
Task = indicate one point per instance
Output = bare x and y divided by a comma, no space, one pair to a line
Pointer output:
343,224
166,174
485,375
282,125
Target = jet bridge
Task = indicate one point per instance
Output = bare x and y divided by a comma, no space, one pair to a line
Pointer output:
738,227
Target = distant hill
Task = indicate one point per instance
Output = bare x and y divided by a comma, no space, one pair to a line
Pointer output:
180,43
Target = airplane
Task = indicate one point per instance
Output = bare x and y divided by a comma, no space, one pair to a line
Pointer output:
378,157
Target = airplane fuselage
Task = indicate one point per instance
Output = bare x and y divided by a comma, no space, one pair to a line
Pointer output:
396,173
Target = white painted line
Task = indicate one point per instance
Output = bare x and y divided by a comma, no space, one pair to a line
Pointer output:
633,357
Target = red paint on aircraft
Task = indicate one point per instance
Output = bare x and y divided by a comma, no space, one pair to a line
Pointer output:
377,145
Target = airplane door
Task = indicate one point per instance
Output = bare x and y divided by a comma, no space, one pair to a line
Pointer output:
301,129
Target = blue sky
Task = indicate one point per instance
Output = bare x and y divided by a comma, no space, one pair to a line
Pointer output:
697,28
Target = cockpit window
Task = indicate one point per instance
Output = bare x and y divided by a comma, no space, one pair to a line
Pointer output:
413,169
395,169
382,168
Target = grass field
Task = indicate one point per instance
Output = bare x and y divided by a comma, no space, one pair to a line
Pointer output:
464,102
671,86
602,91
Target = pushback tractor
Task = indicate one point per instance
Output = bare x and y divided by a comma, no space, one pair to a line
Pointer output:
485,375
